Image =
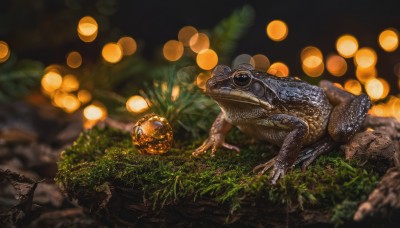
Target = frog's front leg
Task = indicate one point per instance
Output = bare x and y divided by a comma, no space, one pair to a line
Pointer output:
292,144
216,138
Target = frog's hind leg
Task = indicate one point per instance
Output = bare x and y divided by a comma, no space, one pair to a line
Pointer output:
348,113
309,154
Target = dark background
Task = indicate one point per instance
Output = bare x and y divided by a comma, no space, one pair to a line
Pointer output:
46,29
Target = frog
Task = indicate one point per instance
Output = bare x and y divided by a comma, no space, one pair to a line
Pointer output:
304,120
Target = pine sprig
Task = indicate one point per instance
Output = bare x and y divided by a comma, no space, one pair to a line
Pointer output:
227,33
187,110
18,78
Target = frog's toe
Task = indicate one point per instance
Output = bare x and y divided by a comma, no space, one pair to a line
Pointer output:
307,163
203,148
231,147
277,173
261,169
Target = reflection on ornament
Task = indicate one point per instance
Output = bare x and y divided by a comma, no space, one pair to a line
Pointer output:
152,135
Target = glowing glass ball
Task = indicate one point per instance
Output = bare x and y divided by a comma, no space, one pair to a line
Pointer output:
152,135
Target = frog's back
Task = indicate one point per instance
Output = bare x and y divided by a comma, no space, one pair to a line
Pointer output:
306,101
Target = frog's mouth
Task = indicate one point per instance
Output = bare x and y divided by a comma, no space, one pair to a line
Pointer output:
238,96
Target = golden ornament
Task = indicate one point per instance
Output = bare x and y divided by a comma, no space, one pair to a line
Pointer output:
152,134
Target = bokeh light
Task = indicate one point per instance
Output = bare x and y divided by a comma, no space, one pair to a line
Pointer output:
374,88
202,79
241,59
57,98
353,86
136,104
87,29
128,45
207,59
279,69
74,59
4,51
70,103
173,50
84,96
365,57
175,92
366,74
336,65
69,83
261,62
51,81
185,34
312,61
386,88
112,52
396,107
93,114
338,85
277,30
389,39
389,109
347,45
199,42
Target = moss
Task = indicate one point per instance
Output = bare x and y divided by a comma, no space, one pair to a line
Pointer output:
107,156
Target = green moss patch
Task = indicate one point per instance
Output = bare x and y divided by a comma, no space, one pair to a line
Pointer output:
107,156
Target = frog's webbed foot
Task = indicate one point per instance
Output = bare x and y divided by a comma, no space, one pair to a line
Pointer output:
277,172
309,154
216,137
262,168
213,142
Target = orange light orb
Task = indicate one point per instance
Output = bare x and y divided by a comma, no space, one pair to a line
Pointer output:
347,45
365,74
74,59
87,29
70,103
199,42
128,45
185,35
336,65
94,112
312,61
374,88
51,81
202,79
207,59
173,50
279,69
386,88
4,51
69,83
389,39
112,52
353,86
277,30
136,104
84,96
365,57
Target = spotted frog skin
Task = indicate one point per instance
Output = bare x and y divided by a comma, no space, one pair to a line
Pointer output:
304,120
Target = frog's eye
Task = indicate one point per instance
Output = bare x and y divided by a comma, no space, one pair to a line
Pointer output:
242,78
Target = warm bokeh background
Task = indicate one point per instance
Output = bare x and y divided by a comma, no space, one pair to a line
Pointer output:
353,43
